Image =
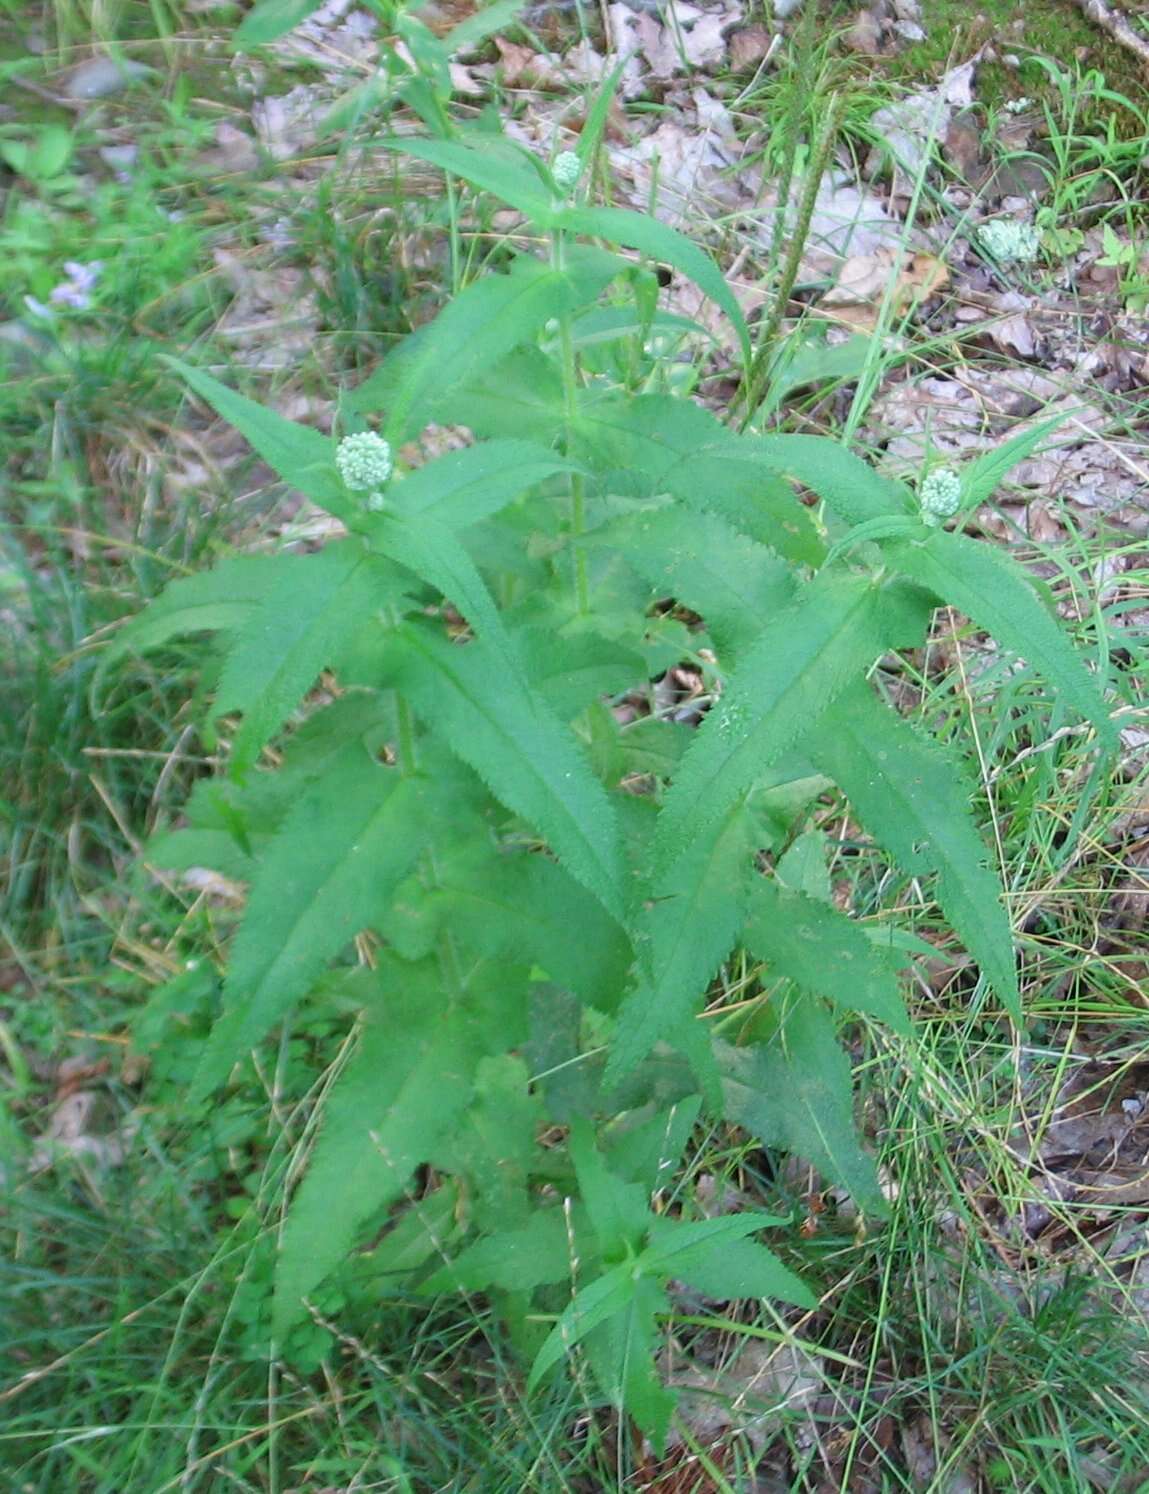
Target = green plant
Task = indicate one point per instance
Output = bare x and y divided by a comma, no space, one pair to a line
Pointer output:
540,896
1129,258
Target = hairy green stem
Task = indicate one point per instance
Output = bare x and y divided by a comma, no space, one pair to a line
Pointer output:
570,411
754,388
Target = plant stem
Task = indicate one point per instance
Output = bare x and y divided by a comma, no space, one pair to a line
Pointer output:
570,410
763,356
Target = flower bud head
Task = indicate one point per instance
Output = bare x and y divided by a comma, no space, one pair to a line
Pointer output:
364,461
940,495
566,170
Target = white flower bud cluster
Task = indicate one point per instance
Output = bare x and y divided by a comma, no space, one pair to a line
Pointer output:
1009,242
940,495
364,462
566,170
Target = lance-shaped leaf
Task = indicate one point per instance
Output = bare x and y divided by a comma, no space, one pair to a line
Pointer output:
850,486
682,935
502,170
272,19
465,486
715,1253
517,1260
800,663
795,1091
821,950
304,458
496,723
914,799
436,556
303,619
400,1096
736,584
501,905
476,330
996,593
656,444
361,831
982,476
660,242
221,600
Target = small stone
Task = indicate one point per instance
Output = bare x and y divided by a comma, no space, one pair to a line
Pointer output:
101,77
865,35
749,47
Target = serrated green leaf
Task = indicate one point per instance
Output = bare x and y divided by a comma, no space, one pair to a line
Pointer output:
851,487
537,1254
421,1234
650,237
821,950
491,720
503,172
618,1211
463,487
303,617
520,396
803,867
981,477
995,592
435,555
800,663
621,1351
472,333
743,1268
302,457
715,1256
493,1145
656,444
796,1091
736,584
220,600
915,801
572,671
649,1152
404,1090
605,1296
180,850
682,936
499,905
271,19
362,831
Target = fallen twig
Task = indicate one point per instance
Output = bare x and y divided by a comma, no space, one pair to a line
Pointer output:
1117,26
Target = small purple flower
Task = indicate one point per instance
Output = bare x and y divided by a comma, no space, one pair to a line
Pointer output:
76,291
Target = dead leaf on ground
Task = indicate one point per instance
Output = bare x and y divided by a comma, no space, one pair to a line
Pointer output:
865,283
750,46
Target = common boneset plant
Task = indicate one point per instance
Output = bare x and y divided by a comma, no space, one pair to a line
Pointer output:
549,893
